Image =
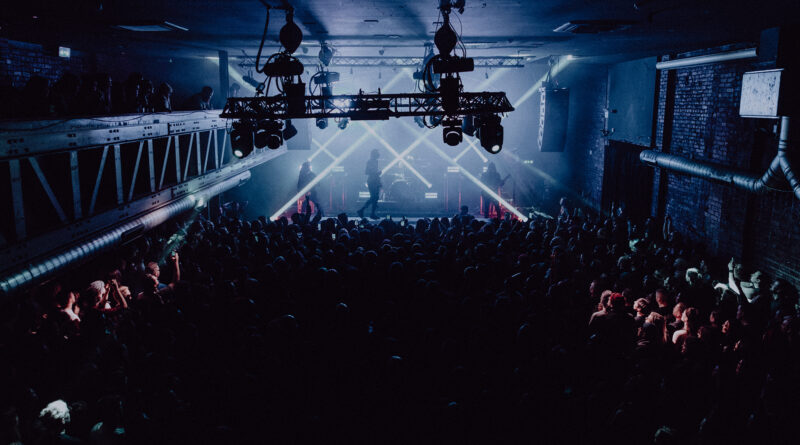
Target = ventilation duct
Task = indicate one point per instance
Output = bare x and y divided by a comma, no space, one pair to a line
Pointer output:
782,169
771,179
749,53
17,279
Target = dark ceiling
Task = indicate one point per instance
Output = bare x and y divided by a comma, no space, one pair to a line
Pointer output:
361,28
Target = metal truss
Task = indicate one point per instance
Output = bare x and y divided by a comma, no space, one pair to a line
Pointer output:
364,106
399,62
69,181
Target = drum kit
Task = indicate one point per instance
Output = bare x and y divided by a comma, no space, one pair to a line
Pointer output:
401,190
399,187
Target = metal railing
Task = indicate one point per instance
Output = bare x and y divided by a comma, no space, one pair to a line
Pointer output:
67,182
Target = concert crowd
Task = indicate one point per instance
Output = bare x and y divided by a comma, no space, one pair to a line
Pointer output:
583,328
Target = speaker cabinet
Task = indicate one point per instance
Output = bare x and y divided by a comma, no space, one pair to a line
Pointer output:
302,140
553,118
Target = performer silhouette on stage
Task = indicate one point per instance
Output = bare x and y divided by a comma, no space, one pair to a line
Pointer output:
491,179
306,176
374,183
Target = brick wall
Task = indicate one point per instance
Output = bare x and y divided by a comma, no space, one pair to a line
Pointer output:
586,144
698,118
19,61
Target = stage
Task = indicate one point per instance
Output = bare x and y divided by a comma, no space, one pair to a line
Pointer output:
390,210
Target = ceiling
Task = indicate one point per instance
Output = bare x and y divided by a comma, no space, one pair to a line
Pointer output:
396,27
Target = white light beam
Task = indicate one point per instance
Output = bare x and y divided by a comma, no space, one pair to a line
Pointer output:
472,178
396,155
321,175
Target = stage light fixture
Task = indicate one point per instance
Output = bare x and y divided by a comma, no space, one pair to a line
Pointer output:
451,131
468,125
325,54
343,123
289,130
491,134
274,140
241,139
268,134
322,123
449,89
419,121
452,136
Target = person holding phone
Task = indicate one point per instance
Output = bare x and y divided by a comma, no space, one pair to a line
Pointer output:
153,273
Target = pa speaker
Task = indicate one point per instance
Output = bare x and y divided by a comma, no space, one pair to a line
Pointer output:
553,117
302,140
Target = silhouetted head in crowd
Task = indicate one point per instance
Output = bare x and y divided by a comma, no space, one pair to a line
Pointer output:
163,99
206,93
132,93
146,95
678,310
605,300
641,306
234,90
617,302
35,100
66,94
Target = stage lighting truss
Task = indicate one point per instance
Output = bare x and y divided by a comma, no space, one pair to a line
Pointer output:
247,62
441,97
365,106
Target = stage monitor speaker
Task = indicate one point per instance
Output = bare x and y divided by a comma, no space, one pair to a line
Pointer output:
302,140
553,117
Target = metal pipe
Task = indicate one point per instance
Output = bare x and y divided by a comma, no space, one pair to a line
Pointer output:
748,53
46,267
726,175
781,170
788,165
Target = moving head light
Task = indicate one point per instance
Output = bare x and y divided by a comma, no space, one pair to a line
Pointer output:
284,66
447,65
